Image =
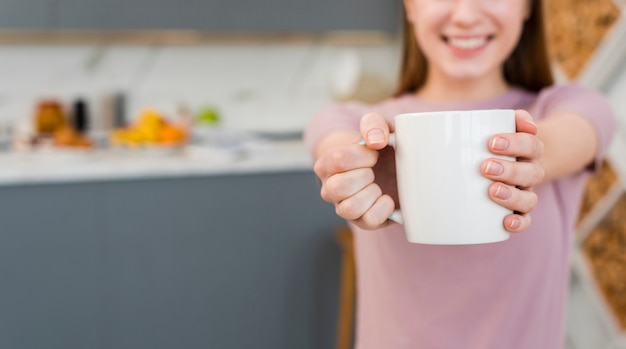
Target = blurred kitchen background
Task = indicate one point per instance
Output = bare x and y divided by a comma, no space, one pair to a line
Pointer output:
155,191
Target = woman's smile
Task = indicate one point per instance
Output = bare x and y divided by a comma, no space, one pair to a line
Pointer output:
467,43
467,40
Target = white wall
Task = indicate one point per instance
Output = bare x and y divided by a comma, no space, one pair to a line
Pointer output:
255,86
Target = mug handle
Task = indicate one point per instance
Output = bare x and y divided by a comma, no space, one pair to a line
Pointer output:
396,215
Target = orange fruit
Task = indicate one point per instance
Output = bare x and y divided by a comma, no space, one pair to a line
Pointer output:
171,134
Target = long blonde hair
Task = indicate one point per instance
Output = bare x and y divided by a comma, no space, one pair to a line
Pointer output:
528,66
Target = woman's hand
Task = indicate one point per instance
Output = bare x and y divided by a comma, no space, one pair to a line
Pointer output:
513,181
352,175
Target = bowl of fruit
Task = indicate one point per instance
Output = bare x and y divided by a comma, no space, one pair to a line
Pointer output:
152,132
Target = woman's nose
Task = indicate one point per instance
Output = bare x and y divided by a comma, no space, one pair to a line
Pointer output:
466,12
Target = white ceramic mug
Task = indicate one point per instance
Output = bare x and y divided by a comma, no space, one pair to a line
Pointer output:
443,196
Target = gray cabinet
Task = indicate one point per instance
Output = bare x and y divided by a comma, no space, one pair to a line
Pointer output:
32,14
246,261
204,15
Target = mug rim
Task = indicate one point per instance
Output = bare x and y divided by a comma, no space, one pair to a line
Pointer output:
444,112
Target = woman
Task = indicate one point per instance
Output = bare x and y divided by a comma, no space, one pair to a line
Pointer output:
467,54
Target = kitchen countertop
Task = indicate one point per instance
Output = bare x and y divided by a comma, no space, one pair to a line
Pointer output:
20,168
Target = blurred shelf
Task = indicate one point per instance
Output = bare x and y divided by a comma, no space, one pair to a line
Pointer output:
607,59
190,37
592,323
599,211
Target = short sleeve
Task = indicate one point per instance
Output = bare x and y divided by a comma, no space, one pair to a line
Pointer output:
587,103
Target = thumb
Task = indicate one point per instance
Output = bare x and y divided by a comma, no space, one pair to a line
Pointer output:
374,130
524,122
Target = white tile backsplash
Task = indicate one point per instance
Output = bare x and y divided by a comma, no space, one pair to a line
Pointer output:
40,68
256,86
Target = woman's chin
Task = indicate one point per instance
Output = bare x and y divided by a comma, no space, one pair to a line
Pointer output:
467,75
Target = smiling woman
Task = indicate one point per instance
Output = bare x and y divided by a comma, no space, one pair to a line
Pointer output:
467,55
528,65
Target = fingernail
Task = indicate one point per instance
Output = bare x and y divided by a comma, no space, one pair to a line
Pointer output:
502,192
499,143
515,223
494,168
375,136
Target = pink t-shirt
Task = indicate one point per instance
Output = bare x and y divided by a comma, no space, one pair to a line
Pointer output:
510,294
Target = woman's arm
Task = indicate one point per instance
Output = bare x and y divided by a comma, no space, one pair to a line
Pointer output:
570,144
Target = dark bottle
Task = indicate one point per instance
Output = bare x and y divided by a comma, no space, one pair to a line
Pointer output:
80,116
119,112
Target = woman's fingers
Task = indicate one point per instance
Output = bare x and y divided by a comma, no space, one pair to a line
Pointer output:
517,173
342,159
525,147
524,122
518,145
520,201
348,180
374,130
357,198
377,215
517,222
513,198
513,180
368,208
347,177
355,206
346,184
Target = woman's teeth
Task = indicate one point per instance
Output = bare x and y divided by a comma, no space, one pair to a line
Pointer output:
467,44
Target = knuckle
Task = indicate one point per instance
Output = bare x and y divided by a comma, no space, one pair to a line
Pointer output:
341,159
537,174
535,149
375,189
375,216
527,182
530,176
512,171
539,147
530,203
324,195
333,186
369,176
524,182
348,210
369,220
318,169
